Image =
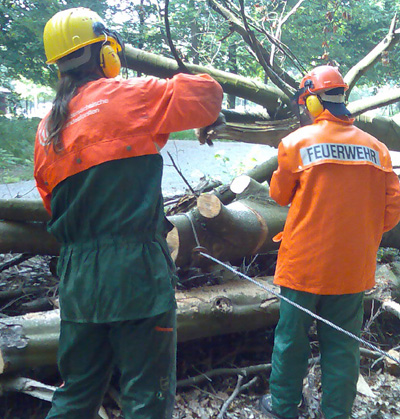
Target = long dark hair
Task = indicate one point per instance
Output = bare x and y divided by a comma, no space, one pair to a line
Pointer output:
67,88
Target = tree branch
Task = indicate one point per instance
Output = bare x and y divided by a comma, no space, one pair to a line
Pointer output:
238,389
268,96
255,46
366,104
356,72
279,29
180,63
238,27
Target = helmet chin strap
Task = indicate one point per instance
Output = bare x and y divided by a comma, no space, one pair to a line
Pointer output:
75,62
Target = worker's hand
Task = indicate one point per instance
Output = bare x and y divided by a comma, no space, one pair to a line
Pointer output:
206,135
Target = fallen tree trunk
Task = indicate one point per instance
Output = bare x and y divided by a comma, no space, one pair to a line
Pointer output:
242,228
268,96
257,218
385,129
21,237
23,210
31,340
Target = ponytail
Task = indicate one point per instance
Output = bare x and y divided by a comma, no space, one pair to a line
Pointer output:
67,88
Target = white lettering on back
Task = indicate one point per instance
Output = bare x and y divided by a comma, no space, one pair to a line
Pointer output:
339,152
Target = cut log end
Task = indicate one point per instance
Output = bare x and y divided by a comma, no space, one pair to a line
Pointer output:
240,184
209,206
2,364
173,243
391,366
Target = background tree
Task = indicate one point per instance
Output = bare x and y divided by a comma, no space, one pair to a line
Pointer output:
21,36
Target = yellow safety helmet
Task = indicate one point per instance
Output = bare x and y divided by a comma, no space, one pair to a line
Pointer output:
72,29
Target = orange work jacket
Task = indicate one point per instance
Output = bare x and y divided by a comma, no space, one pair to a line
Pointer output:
111,119
343,195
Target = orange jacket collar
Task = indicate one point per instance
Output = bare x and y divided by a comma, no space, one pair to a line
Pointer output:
327,116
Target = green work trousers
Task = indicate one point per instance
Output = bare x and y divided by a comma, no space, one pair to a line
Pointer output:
143,350
339,353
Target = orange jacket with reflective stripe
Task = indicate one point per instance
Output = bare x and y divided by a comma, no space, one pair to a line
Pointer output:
343,195
112,119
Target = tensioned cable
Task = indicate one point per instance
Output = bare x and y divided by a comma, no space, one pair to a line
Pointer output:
329,323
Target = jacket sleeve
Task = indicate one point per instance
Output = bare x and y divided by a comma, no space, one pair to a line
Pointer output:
283,182
392,210
184,102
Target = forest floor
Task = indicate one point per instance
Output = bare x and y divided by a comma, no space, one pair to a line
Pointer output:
215,398
379,390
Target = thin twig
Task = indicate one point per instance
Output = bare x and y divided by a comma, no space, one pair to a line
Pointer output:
281,84
225,406
15,261
181,175
254,369
238,389
180,63
279,30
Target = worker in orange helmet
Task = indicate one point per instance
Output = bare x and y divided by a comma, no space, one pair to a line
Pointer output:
343,196
98,170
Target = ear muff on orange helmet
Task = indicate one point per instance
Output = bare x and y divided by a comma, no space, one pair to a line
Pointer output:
314,105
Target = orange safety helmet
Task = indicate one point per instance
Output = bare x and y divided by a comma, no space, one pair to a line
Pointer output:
319,80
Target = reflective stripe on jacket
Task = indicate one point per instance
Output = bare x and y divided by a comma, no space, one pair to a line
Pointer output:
112,119
343,195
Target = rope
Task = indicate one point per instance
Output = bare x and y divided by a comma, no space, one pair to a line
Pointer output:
329,323
193,229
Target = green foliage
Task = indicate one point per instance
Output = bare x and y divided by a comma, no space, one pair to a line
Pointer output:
21,37
183,135
338,32
17,139
342,33
387,254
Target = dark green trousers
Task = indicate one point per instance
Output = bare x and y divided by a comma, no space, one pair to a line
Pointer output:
339,353
144,351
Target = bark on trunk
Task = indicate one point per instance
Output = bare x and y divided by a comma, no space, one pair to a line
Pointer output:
30,237
23,210
31,340
242,228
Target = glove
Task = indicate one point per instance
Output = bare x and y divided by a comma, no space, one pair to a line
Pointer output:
206,134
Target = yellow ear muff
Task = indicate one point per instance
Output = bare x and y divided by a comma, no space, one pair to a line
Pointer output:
109,61
314,105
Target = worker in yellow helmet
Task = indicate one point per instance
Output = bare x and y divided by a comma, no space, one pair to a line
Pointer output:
98,169
343,196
